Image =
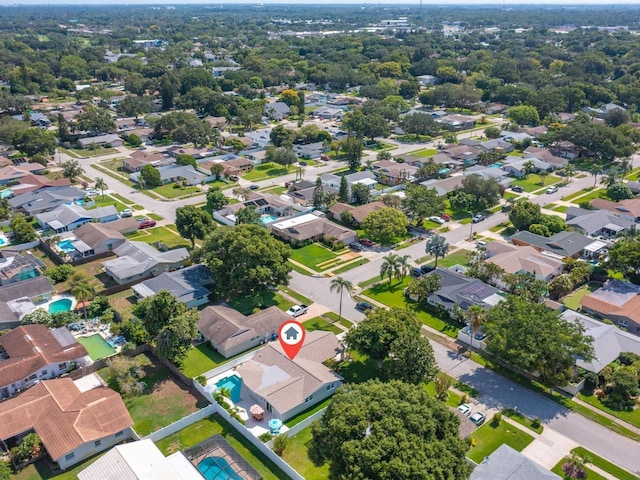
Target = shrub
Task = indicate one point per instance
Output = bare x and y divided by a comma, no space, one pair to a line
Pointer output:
59,273
202,380
536,422
265,437
590,381
464,398
280,443
497,418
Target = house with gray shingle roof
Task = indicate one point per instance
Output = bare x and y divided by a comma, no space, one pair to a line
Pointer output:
67,218
598,222
463,291
565,244
46,199
187,285
505,463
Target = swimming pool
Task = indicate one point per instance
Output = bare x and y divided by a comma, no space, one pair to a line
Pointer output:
266,218
66,246
97,346
217,468
3,240
234,384
62,305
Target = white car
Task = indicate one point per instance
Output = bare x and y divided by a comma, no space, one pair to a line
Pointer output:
465,409
478,418
552,189
127,212
437,219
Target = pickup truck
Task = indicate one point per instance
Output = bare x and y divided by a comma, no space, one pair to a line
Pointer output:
297,310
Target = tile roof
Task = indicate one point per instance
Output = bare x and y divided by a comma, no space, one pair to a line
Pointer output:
615,298
32,347
62,416
95,233
514,259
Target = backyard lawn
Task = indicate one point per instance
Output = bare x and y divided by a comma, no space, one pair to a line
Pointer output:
205,428
490,437
41,470
201,359
297,455
160,234
391,294
573,301
163,403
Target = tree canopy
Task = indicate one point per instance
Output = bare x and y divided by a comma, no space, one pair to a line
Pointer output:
385,226
389,431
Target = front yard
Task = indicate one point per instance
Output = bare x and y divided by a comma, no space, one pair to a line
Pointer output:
489,437
203,429
533,182
247,304
163,403
312,255
172,190
266,170
630,416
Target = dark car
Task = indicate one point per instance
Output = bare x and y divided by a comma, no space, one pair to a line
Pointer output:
416,272
356,247
302,163
146,224
363,306
427,268
517,188
254,186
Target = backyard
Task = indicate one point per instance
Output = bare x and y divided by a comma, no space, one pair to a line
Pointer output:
573,301
41,470
163,403
205,428
160,234
200,359
489,437
297,455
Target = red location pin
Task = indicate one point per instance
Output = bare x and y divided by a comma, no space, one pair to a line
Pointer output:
291,335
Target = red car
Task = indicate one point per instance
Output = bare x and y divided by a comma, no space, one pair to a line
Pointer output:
366,242
146,224
446,217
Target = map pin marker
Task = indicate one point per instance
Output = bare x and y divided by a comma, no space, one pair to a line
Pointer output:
291,335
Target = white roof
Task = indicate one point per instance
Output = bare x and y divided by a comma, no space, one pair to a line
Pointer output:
131,461
292,222
366,181
595,246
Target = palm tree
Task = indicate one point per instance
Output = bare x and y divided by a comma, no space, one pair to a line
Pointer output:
437,246
339,285
476,316
389,266
84,292
569,171
595,170
561,286
611,177
101,185
402,267
529,166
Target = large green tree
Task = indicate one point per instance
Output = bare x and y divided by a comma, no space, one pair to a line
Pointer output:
524,214
389,431
531,337
22,230
245,259
624,257
385,226
95,120
193,223
485,192
421,202
150,176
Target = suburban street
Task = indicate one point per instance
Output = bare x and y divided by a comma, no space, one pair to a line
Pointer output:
496,391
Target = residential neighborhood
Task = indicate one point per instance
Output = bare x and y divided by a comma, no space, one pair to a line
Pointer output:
319,243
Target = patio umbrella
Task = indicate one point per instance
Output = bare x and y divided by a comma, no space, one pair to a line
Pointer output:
257,411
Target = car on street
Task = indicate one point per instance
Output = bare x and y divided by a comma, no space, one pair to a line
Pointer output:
436,219
302,163
253,186
478,217
146,224
465,409
552,189
126,213
517,188
478,418
363,306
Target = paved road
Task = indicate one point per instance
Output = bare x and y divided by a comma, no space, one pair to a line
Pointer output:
500,392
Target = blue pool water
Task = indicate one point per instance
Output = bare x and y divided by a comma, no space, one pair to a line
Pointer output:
265,218
217,468
234,384
62,305
3,241
6,193
495,165
66,246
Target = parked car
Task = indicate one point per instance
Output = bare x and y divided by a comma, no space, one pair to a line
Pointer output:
253,186
416,272
302,163
146,224
427,268
478,418
465,409
363,306
325,158
366,242
126,213
436,219
233,178
552,189
297,310
446,217
355,246
478,217
517,188
481,243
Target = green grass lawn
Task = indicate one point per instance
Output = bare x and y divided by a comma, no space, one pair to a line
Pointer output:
163,403
423,153
629,416
297,455
522,420
160,234
534,182
265,170
201,359
490,437
319,323
205,428
247,304
561,209
360,368
349,266
105,200
599,193
155,216
308,412
591,475
459,257
392,295
603,464
573,301
577,194
171,191
275,190
41,470
120,198
82,153
312,255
